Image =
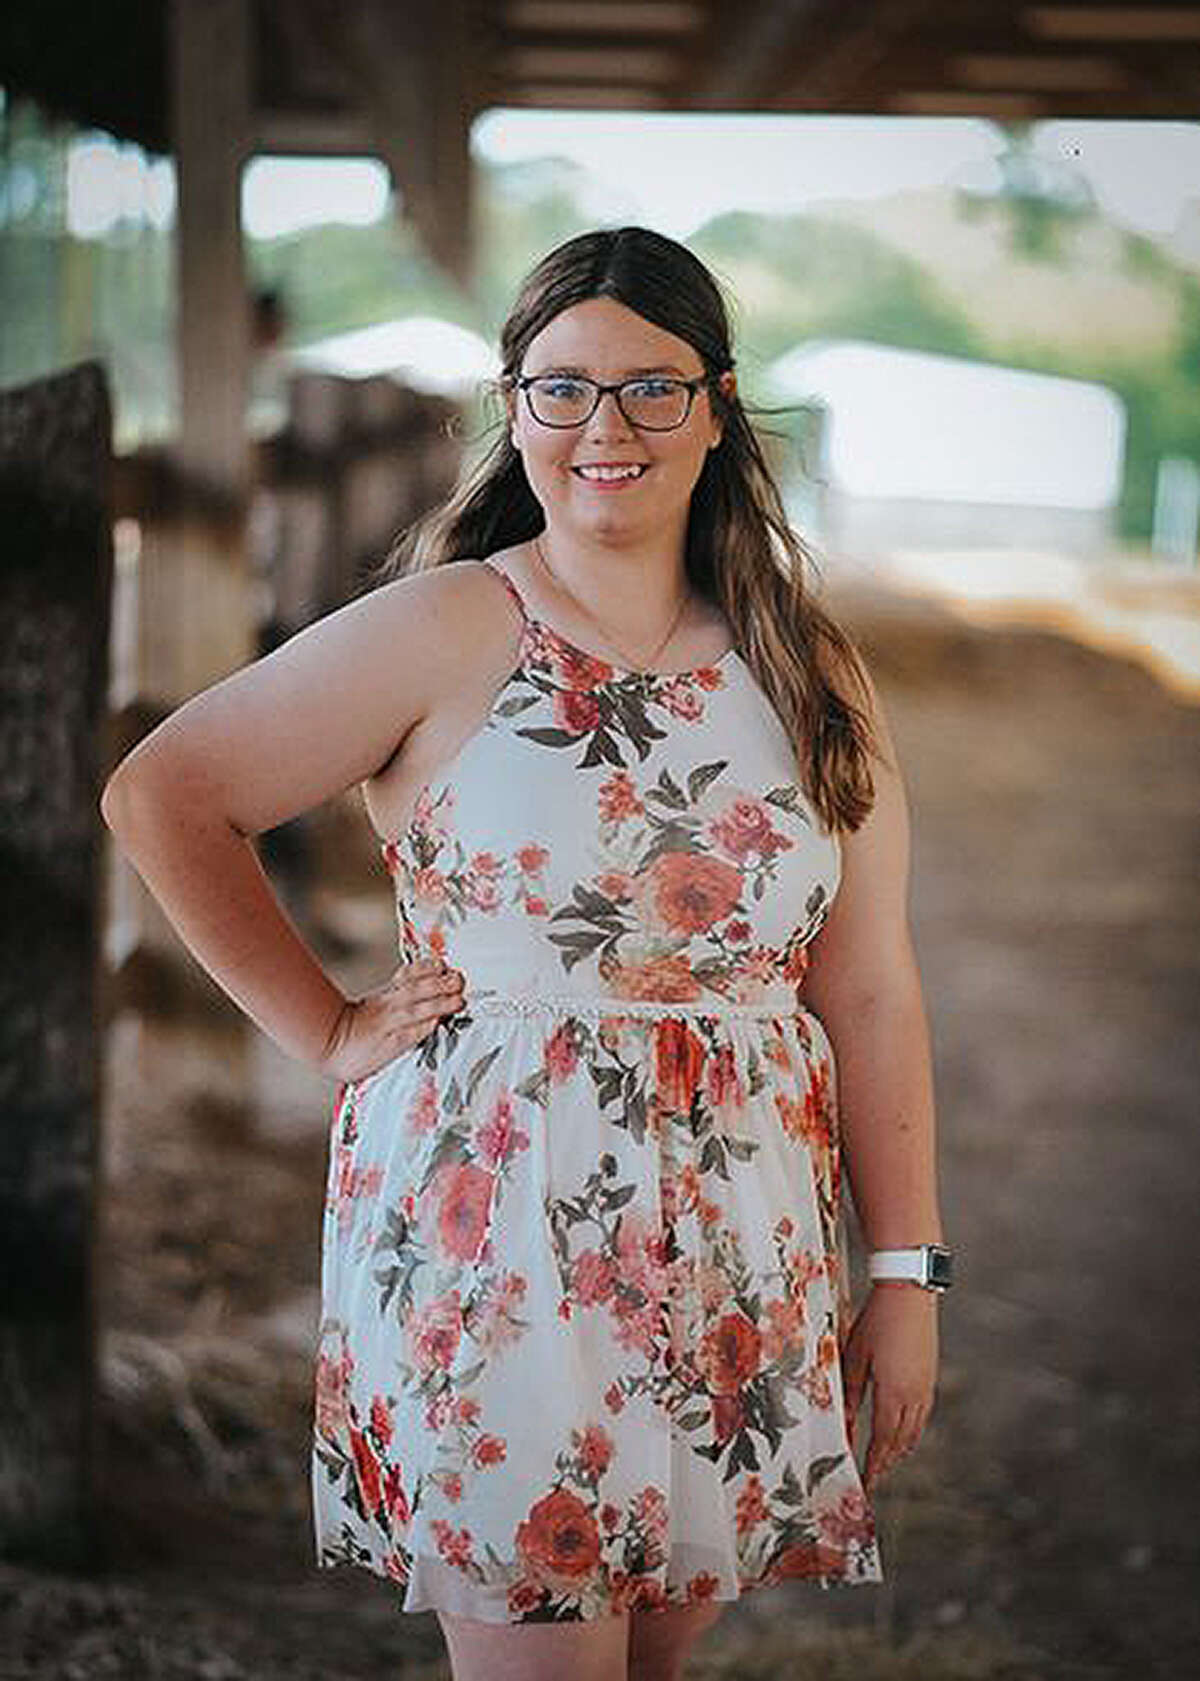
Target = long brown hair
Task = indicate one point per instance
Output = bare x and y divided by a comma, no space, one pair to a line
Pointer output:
740,550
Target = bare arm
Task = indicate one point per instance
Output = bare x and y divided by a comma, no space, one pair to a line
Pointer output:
319,714
865,987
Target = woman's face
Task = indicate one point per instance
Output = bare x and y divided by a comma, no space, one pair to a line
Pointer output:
609,342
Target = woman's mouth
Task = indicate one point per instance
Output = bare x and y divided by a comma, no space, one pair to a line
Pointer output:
611,476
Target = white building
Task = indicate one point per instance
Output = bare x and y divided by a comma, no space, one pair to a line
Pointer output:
928,451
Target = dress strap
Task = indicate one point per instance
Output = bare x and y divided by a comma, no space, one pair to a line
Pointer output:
511,588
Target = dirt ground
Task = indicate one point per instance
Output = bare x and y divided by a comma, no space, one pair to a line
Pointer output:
1046,1530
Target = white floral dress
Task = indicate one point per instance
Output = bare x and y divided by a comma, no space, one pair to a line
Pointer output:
583,1277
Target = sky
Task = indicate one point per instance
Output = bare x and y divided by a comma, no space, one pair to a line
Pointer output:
675,171
1141,173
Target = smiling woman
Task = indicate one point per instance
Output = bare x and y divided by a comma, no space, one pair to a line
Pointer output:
656,1006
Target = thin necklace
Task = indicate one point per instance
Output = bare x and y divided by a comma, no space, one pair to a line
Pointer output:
632,665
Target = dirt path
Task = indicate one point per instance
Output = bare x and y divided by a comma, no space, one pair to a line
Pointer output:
1046,1530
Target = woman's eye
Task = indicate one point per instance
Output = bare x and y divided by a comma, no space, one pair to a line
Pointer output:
652,388
562,389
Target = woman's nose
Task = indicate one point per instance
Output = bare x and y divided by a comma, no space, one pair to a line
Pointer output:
606,417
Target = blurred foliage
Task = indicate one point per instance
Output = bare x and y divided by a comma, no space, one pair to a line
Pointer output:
791,278
787,279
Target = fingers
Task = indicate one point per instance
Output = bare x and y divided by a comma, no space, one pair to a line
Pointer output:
394,1017
895,1432
432,994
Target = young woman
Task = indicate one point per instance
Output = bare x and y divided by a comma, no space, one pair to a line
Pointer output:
587,1365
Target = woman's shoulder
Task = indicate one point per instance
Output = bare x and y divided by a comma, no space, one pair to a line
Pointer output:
468,586
454,612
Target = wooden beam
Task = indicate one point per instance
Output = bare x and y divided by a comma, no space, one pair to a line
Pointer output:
575,18
1163,24
933,101
591,63
583,96
750,44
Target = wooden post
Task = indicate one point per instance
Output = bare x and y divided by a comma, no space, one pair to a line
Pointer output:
199,585
55,591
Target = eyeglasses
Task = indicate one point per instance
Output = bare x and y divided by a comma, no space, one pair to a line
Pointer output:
651,403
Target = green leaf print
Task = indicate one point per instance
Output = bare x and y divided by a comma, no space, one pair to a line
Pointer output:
788,799
549,737
789,1492
577,946
822,1468
668,792
516,703
480,1069
699,779
602,750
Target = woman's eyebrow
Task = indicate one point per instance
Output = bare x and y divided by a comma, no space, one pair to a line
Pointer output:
630,373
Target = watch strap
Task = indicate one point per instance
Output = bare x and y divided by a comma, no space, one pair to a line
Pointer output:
928,1264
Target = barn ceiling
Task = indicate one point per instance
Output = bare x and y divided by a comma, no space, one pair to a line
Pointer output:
107,65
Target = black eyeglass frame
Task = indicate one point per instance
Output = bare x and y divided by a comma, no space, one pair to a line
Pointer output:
522,382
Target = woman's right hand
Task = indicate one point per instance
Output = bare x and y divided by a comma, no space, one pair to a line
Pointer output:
376,1028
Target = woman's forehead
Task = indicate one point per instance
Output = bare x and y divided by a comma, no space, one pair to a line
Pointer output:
602,335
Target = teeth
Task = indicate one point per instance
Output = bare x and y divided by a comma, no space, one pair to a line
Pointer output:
609,472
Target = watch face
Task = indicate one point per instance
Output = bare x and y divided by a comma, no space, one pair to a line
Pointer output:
940,1268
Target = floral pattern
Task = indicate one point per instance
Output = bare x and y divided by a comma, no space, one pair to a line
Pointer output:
583,1276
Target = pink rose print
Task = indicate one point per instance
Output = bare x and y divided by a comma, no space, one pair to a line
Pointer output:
751,1506
366,1471
729,1353
454,1548
462,1194
428,886
434,1333
849,1522
617,798
500,1138
577,668
381,1421
687,892
745,827
562,1052
575,711
423,1114
395,1500
559,1542
709,677
595,1449
332,1404
592,1278
482,892
722,1082
668,979
681,699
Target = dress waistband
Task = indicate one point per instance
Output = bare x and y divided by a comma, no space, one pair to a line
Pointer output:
568,1003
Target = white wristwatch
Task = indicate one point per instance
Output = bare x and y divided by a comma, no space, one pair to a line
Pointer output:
931,1265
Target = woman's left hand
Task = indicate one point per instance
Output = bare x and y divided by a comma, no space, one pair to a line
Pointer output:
893,1346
